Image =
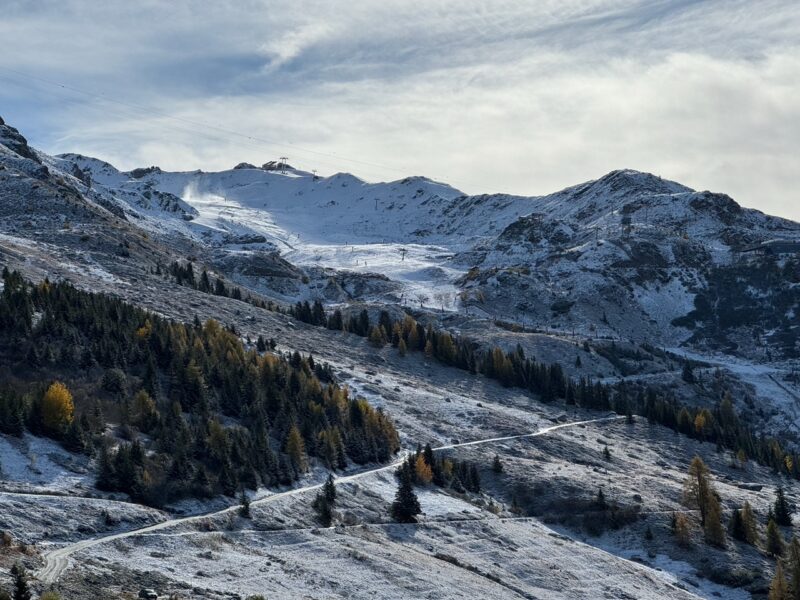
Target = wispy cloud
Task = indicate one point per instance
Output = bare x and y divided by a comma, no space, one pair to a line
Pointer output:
524,97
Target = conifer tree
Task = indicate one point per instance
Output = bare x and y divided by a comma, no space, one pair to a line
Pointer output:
682,529
296,450
322,506
699,492
783,514
713,530
688,373
778,589
329,490
406,506
775,543
74,439
377,337
244,504
736,525
794,568
20,577
749,525
697,488
497,465
600,500
422,471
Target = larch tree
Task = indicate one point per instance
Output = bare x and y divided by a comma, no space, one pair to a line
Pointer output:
699,492
422,470
57,407
749,524
697,488
742,525
682,530
794,568
778,589
713,529
296,449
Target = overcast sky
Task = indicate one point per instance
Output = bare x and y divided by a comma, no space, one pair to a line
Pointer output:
490,96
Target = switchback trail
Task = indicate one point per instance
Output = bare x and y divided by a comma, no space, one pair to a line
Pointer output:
58,560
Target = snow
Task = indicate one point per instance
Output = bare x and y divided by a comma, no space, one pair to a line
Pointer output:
33,463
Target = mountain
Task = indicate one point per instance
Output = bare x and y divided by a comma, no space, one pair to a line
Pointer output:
535,374
633,256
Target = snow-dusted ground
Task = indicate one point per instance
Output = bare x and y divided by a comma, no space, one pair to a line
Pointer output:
467,545
436,404
38,464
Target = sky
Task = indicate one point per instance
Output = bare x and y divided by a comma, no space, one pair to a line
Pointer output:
523,97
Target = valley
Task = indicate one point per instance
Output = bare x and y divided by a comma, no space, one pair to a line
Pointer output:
632,285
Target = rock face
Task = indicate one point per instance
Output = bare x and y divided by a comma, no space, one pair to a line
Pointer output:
14,141
276,165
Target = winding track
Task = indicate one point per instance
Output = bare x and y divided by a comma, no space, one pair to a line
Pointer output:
57,561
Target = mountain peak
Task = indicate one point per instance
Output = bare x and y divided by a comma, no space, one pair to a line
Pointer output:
624,181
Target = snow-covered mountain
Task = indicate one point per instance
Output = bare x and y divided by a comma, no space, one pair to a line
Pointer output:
628,277
627,255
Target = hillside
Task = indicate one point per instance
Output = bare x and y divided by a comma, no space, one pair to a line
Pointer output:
541,371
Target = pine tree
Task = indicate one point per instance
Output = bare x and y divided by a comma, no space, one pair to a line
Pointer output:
329,490
244,505
402,349
688,373
778,590
322,506
606,454
783,515
74,440
736,526
406,506
20,578
600,500
497,465
775,541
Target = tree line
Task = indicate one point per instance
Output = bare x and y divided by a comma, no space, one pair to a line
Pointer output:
719,425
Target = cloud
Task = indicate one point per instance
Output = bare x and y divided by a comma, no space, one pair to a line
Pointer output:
488,96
